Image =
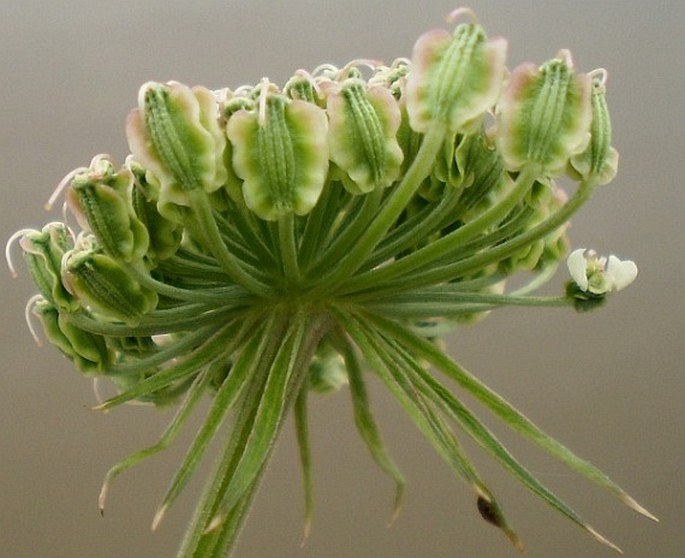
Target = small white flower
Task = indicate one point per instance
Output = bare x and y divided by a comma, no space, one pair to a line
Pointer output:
597,275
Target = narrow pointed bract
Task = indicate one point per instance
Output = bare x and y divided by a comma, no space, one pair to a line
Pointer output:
265,245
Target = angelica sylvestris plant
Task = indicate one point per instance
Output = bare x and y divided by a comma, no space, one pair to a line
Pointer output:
263,243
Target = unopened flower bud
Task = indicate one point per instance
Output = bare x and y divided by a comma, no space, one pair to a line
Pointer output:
301,87
88,351
327,372
175,134
477,162
544,116
43,251
362,133
599,162
281,153
455,79
100,199
164,234
101,284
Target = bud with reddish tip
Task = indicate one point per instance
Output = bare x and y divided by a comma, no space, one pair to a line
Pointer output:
175,134
455,79
544,116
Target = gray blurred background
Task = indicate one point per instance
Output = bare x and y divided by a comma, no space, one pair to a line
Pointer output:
609,384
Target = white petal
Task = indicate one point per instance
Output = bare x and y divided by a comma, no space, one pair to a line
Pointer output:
577,268
621,273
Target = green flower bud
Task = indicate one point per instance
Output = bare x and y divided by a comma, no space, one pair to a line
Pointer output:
301,87
327,372
88,351
599,162
470,159
100,199
164,235
175,134
100,283
455,79
43,251
478,162
544,116
363,125
281,153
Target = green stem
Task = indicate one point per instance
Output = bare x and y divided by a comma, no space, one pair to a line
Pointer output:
235,268
142,276
288,249
165,354
348,235
198,543
388,214
484,258
408,234
442,247
318,221
223,341
446,306
182,318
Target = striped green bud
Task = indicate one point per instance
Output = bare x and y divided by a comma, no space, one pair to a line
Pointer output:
164,234
102,285
478,162
43,251
88,351
363,125
100,199
281,153
544,116
599,162
301,87
175,134
455,78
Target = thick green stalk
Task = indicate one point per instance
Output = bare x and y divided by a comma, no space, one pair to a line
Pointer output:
441,248
387,215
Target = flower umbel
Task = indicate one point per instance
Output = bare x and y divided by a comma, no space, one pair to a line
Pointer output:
262,244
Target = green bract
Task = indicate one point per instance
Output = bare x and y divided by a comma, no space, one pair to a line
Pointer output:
262,245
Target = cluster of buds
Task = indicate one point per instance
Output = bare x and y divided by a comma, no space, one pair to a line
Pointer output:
263,242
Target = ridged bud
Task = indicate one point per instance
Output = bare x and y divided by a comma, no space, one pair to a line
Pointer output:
455,78
599,162
175,134
101,284
43,252
100,199
164,235
544,116
281,153
88,351
363,125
